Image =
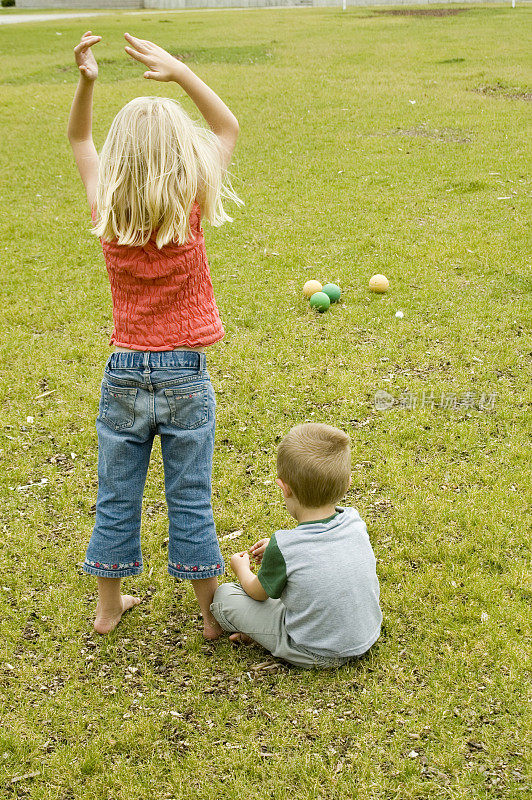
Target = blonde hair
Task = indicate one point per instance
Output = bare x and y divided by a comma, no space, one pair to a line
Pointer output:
315,461
155,162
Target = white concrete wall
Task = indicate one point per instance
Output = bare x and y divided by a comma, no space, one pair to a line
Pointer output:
228,3
183,4
108,4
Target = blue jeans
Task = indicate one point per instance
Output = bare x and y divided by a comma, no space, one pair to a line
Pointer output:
144,394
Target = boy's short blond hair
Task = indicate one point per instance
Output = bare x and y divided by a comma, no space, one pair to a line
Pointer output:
315,461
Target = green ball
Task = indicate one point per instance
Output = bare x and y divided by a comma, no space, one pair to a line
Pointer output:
320,301
333,291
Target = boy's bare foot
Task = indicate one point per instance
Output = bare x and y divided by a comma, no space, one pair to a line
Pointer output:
107,619
211,628
243,638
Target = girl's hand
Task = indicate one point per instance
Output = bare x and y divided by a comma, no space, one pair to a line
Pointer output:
257,549
238,561
162,66
84,58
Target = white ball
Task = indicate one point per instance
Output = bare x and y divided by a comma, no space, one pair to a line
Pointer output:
399,314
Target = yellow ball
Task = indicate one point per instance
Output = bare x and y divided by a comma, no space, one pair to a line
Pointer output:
311,287
379,284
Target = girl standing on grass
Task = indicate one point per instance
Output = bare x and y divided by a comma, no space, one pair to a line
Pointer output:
158,174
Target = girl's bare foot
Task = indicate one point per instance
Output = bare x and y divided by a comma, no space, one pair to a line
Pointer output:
211,629
204,589
243,638
108,618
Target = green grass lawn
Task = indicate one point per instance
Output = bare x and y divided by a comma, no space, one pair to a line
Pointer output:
370,143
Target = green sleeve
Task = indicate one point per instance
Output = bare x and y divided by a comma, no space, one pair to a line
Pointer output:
272,572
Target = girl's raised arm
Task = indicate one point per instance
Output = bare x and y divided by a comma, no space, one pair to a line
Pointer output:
164,67
80,120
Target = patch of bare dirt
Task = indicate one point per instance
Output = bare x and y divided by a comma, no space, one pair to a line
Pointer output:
510,93
438,134
422,12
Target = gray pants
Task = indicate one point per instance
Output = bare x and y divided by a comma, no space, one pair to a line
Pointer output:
264,622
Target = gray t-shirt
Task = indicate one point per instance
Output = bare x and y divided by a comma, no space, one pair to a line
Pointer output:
325,574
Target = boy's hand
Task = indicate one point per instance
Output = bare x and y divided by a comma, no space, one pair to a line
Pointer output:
162,66
250,582
84,58
257,549
238,561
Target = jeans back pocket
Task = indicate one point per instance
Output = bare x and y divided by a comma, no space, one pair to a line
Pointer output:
189,405
118,406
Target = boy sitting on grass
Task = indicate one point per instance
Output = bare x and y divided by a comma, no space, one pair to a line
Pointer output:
315,599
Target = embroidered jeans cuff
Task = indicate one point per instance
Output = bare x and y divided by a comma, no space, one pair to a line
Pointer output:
191,572
115,570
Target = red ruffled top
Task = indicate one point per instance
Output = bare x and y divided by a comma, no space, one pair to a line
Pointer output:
164,298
